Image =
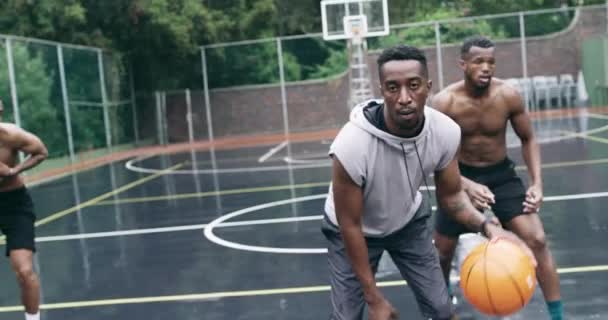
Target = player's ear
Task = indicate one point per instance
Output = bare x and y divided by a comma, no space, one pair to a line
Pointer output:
461,64
429,84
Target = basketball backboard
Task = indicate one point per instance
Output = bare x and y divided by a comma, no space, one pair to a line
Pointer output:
338,17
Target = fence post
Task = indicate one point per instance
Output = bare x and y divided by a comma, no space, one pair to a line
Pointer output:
134,105
524,55
189,116
66,103
104,100
439,55
13,84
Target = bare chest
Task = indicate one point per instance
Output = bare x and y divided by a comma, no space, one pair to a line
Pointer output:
481,119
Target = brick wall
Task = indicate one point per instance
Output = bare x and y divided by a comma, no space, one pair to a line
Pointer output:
322,104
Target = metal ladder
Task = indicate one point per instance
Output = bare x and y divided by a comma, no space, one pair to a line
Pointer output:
360,83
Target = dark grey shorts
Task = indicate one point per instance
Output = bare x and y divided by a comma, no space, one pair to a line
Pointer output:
508,189
414,254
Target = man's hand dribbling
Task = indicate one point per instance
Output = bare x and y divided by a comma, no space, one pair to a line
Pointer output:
381,309
493,232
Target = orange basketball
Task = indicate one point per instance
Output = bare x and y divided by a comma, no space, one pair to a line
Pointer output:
497,277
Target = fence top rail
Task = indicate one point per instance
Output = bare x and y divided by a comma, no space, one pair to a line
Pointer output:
50,42
418,24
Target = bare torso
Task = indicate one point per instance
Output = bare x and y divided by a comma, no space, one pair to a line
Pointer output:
9,156
483,121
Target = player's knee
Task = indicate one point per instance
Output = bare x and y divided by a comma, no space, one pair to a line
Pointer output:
25,273
536,241
445,246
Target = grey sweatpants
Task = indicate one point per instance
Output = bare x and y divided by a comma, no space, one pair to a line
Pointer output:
414,254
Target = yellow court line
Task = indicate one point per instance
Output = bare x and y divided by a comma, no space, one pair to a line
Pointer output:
214,193
297,186
596,139
585,136
234,294
95,200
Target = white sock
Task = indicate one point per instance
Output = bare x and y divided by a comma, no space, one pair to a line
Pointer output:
32,316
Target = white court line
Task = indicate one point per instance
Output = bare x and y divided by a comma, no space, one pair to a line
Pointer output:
597,116
567,136
225,243
272,151
252,222
264,249
319,160
130,165
173,229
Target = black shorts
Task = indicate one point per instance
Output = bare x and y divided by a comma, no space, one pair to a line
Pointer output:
17,219
501,179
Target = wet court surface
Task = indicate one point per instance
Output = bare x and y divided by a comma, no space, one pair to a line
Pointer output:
126,240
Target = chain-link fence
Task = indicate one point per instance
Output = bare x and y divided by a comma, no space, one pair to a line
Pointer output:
77,99
554,57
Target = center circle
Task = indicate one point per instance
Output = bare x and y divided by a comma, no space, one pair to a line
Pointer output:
222,242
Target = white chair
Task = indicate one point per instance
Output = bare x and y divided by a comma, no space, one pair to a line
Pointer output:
567,88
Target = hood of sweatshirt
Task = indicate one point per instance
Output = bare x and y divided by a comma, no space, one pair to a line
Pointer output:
358,118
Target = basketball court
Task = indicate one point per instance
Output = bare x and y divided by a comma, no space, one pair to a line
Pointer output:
232,231
160,237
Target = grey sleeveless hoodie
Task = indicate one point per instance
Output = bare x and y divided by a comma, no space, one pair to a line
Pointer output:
391,169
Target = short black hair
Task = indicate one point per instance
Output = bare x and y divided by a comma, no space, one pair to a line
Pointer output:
475,41
402,52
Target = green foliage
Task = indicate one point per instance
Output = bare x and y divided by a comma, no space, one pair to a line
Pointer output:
538,24
451,33
336,63
39,112
249,64
160,39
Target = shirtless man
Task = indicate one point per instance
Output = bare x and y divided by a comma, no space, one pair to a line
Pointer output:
483,106
17,211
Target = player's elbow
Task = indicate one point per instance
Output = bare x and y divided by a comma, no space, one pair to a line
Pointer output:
43,154
527,139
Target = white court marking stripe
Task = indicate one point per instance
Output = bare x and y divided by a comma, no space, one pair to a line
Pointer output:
292,160
576,196
173,229
225,243
250,222
597,116
130,166
569,135
234,245
272,151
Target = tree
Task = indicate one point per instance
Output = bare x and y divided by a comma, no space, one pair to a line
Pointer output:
39,112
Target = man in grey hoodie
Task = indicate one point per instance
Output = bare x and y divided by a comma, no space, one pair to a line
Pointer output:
381,157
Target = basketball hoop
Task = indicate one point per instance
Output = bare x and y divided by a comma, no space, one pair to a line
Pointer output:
354,20
355,28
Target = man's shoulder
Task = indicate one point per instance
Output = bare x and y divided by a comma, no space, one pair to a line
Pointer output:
8,128
444,99
442,121
505,90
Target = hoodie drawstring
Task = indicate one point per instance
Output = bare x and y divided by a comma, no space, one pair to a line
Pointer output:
424,176
408,173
